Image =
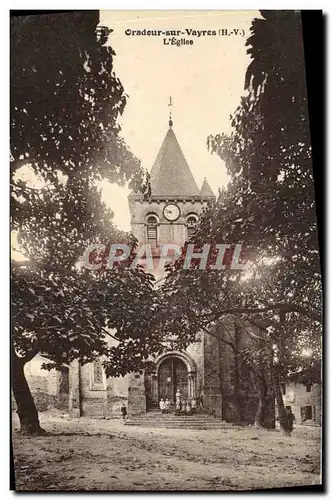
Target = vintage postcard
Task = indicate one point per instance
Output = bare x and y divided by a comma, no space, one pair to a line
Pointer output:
166,283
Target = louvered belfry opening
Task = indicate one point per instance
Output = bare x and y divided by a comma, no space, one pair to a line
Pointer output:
191,226
152,222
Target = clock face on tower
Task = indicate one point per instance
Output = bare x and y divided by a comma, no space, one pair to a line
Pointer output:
171,212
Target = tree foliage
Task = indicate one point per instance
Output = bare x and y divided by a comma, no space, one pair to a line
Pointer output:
268,207
65,104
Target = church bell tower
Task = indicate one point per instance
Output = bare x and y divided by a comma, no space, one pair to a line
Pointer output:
171,211
168,214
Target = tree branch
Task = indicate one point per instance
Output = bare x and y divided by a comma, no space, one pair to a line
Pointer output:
109,334
230,344
277,307
28,357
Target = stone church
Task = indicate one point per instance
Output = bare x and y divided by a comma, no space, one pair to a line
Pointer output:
207,367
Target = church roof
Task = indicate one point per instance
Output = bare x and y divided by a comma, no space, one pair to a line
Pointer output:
206,189
170,174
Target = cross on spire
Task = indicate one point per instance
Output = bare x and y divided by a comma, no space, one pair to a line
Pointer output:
170,112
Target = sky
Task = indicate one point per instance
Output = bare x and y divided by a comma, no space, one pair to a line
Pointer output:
205,81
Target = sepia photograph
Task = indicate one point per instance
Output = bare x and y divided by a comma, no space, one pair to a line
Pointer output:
166,285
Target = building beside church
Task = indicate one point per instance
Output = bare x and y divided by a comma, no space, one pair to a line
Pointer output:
304,400
208,367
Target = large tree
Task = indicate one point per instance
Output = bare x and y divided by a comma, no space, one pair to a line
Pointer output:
270,151
65,102
268,206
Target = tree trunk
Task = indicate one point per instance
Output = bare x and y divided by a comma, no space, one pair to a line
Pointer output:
259,413
220,376
237,376
281,345
26,408
283,420
262,400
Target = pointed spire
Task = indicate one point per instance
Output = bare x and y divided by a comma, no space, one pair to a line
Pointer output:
170,174
206,190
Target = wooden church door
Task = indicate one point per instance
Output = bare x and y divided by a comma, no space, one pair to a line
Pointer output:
173,375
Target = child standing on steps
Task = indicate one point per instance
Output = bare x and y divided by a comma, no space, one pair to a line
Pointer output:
188,408
162,405
124,411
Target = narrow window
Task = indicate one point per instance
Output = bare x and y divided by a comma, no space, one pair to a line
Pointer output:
308,387
152,230
191,226
303,413
98,372
308,412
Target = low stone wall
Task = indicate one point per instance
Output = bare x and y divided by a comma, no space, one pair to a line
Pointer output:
96,408
103,408
45,401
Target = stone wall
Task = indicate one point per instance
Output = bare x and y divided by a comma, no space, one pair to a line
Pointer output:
43,401
48,388
212,399
317,402
92,393
136,394
117,393
102,398
167,232
74,403
97,398
196,352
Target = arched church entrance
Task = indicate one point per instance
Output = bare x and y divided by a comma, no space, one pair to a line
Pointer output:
173,375
174,370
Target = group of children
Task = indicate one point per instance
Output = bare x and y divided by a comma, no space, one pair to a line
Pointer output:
164,405
185,407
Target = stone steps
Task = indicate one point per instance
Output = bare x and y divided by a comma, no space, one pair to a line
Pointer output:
178,425
175,419
158,420
172,414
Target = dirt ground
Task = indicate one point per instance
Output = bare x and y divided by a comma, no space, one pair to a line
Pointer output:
104,455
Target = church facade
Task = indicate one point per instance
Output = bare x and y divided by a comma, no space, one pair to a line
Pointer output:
169,216
208,367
